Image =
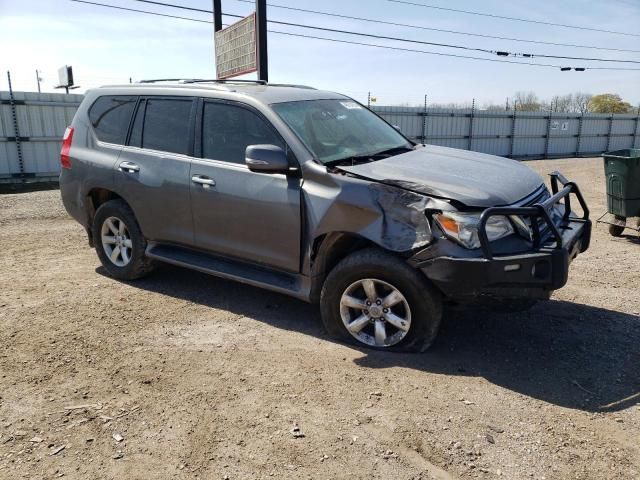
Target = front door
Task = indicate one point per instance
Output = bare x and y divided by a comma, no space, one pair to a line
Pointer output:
153,169
236,212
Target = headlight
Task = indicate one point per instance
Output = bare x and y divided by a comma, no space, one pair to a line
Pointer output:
463,227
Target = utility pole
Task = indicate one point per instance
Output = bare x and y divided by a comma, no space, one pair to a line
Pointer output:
261,26
38,79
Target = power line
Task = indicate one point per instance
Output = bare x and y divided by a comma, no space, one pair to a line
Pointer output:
163,4
335,40
142,11
457,32
445,45
407,40
576,58
442,54
333,30
540,22
418,51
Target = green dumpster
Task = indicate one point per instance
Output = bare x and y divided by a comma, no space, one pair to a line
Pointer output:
622,170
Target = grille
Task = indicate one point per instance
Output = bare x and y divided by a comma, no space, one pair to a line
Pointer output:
538,196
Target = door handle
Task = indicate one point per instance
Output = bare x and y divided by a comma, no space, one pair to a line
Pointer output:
128,167
204,181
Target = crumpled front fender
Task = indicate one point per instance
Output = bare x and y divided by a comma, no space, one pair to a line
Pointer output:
388,216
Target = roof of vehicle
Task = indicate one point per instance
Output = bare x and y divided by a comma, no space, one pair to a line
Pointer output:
268,93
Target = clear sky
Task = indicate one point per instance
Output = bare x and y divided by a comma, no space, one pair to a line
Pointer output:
108,46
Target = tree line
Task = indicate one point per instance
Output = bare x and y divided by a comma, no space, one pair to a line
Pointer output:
579,102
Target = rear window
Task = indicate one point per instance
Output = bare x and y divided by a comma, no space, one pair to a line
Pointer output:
166,125
110,117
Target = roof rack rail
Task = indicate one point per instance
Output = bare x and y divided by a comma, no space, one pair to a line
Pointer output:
224,80
228,80
201,80
154,80
290,85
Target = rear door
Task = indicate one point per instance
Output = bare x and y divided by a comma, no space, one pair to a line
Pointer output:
236,212
153,169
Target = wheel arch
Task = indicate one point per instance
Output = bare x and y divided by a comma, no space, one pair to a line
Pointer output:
327,251
94,198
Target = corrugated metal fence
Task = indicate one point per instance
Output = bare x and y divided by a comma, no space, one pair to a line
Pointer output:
517,134
32,125
31,129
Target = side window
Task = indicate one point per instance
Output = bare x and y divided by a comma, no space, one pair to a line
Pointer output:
227,130
166,125
110,117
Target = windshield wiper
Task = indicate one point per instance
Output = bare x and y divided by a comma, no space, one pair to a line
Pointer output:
390,152
369,157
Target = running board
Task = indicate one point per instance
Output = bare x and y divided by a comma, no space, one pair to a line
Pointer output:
290,284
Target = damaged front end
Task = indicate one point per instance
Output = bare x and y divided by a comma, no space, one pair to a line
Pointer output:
466,254
521,264
388,216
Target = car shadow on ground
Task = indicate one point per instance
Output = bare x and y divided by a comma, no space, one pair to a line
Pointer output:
571,355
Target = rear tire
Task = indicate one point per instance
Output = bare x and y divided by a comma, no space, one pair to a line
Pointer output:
407,316
119,242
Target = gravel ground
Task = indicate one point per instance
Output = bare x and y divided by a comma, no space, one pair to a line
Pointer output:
182,375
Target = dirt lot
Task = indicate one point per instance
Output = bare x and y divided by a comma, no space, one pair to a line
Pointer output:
183,375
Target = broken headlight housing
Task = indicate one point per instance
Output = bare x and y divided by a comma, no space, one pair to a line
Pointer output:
463,227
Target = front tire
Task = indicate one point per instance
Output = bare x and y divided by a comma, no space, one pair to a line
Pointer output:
119,242
374,299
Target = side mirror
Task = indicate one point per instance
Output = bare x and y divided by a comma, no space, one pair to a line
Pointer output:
266,159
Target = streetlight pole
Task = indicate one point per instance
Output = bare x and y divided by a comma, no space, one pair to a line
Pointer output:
38,79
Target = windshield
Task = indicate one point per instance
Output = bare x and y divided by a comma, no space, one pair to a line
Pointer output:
339,129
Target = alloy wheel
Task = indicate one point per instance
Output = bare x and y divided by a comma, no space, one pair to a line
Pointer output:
116,241
375,312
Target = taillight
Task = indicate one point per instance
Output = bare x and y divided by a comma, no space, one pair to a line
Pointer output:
65,161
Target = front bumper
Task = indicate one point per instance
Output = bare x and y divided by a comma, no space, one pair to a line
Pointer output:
534,273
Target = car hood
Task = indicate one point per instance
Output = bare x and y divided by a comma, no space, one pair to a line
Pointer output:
472,178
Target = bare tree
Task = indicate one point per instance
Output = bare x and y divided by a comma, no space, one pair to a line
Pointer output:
581,102
564,103
558,103
527,102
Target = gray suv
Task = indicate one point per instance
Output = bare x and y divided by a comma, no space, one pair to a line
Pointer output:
309,193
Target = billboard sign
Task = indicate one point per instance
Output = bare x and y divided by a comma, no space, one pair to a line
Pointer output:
236,52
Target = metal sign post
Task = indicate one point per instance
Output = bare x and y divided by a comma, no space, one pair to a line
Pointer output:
217,15
261,25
